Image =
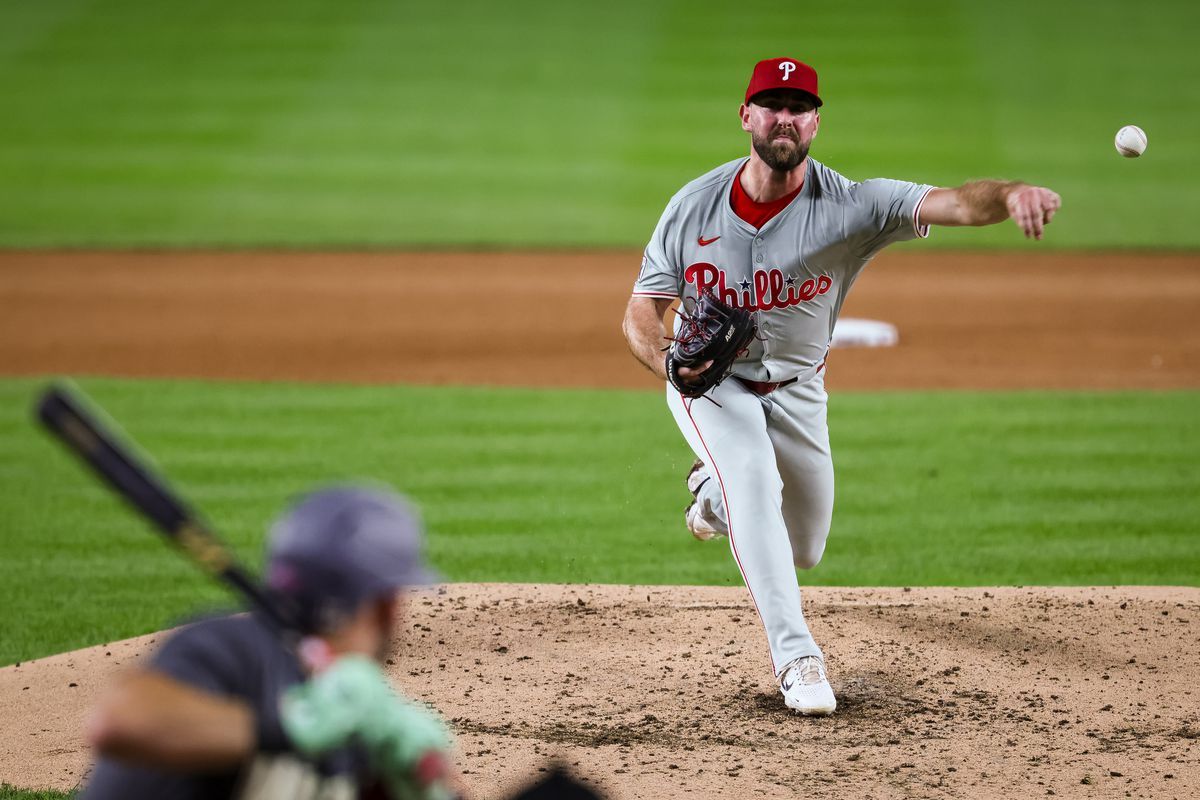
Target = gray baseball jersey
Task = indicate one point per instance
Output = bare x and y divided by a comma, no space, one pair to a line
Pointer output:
767,475
796,270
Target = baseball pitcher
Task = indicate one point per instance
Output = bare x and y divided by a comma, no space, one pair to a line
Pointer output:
783,237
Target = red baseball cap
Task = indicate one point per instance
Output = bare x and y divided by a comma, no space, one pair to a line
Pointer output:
783,73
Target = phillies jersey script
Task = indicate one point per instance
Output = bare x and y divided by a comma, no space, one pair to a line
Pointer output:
795,271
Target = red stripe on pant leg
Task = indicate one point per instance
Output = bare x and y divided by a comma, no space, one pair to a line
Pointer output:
729,524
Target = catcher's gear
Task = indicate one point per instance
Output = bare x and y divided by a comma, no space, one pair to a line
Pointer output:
713,331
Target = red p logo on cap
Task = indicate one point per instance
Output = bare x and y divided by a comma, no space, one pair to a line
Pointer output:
783,73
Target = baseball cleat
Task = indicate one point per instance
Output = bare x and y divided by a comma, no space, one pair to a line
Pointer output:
696,477
696,515
806,688
697,524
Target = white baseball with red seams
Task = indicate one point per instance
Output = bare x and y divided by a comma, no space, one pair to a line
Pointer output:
1131,141
769,454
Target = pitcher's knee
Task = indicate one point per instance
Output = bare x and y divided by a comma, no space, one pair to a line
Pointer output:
808,557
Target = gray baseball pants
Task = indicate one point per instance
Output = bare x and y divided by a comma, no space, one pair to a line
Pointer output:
771,491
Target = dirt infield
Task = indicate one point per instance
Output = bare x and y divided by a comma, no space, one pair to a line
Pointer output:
553,319
665,691
942,693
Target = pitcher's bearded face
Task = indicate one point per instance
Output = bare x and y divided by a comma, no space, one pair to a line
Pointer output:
781,149
782,124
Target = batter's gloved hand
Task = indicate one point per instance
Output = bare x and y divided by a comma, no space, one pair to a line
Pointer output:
323,713
408,747
713,332
352,699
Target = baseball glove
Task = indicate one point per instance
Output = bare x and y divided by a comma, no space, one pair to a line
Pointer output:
712,331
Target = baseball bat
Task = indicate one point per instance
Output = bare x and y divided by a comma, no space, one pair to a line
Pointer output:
65,414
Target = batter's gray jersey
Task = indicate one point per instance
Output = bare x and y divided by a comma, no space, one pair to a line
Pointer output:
796,271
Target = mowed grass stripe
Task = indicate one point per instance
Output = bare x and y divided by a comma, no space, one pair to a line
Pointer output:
541,123
955,488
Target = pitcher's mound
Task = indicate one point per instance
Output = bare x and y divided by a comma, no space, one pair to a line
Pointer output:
654,692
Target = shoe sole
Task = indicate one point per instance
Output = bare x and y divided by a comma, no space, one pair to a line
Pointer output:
700,536
812,712
706,537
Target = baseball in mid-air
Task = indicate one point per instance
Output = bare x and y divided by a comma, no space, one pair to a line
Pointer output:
1131,141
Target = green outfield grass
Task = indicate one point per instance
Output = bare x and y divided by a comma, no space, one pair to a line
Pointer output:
587,486
542,123
8,792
